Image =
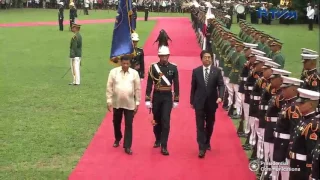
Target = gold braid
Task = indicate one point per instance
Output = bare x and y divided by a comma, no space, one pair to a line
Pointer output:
158,80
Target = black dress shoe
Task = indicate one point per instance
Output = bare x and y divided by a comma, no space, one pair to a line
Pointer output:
201,154
164,151
156,144
116,143
128,151
209,147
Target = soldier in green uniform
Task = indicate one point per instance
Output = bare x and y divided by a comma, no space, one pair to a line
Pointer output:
75,54
262,41
268,48
238,62
137,62
277,57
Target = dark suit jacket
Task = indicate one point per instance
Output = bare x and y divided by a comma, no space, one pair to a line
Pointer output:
200,92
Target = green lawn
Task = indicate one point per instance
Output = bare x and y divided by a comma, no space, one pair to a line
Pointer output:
35,15
46,124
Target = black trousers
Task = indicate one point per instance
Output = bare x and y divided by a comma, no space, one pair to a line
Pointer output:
146,14
161,109
310,24
71,22
86,11
304,172
205,119
61,24
128,119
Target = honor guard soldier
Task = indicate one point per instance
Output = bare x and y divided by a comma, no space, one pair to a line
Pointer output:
72,14
161,76
254,74
137,62
146,12
277,55
288,119
306,51
255,98
262,44
75,54
237,65
312,77
60,16
304,136
273,109
315,161
208,33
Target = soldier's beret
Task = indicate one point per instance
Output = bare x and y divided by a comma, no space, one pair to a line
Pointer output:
76,25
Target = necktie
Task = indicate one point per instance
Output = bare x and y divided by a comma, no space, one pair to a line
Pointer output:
206,76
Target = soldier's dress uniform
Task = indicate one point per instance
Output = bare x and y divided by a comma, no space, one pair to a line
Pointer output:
315,161
273,108
146,12
75,56
237,65
160,80
72,14
243,78
248,87
278,57
254,112
288,119
137,62
312,77
304,139
61,16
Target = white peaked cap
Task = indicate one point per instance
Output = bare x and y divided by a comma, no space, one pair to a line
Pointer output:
307,94
227,16
271,64
280,72
135,37
249,45
257,52
309,56
308,51
163,50
289,81
211,16
261,59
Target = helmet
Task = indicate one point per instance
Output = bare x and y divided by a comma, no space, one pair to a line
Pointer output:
164,50
135,37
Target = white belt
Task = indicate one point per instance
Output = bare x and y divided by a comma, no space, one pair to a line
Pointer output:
318,110
263,107
272,119
248,87
243,78
255,97
297,156
281,135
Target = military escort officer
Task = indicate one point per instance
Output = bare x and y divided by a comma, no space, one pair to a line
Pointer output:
273,108
288,119
137,62
303,138
161,76
315,161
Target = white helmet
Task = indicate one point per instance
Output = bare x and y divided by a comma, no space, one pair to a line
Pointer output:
163,50
135,37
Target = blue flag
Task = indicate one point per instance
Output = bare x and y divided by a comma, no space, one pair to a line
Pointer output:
121,39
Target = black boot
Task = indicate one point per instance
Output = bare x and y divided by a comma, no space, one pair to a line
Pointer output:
254,153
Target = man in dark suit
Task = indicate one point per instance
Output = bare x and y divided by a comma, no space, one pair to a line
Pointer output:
206,93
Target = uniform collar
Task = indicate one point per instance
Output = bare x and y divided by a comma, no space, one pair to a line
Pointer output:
309,72
166,64
292,99
310,114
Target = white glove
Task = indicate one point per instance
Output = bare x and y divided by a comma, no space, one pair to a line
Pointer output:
175,104
141,79
148,104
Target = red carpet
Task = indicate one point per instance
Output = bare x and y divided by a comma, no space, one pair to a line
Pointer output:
226,161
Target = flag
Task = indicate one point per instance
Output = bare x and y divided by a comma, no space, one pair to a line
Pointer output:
121,40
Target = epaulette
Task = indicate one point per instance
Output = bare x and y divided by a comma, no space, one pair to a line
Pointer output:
268,88
278,99
259,81
173,64
74,37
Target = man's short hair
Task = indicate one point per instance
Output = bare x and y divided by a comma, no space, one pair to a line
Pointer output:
204,52
125,58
